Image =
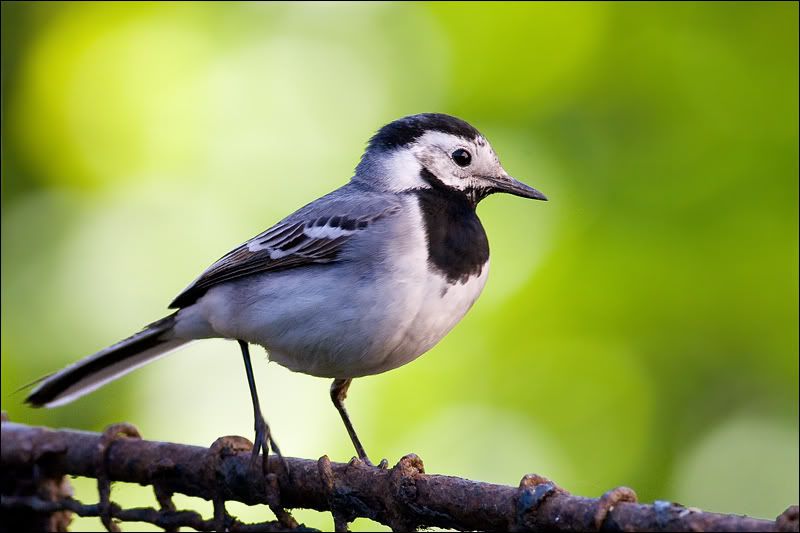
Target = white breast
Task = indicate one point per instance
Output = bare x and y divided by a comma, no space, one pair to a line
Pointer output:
442,306
423,305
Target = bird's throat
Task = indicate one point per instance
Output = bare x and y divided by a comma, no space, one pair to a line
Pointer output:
456,242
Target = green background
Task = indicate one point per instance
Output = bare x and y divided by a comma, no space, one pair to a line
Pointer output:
641,328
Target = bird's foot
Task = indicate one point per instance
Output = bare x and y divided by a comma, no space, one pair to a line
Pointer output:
264,442
383,465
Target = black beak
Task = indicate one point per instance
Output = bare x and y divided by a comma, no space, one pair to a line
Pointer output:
509,185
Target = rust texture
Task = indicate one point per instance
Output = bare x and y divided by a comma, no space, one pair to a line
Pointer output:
403,497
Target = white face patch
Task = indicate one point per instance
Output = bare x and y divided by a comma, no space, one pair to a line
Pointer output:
400,169
434,150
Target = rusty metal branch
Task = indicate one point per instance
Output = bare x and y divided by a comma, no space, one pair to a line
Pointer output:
162,519
403,497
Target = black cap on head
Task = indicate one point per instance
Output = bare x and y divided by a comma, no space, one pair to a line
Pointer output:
406,130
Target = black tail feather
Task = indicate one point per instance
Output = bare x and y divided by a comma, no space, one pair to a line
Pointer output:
106,365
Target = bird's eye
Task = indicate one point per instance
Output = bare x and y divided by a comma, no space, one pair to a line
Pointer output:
461,157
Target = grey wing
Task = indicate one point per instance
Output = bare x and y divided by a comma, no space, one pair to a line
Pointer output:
293,242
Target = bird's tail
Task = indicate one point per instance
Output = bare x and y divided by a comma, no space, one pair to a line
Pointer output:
106,365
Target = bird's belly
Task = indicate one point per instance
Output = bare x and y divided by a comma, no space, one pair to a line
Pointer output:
338,327
443,305
393,332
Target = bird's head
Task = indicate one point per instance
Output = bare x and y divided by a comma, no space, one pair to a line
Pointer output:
436,151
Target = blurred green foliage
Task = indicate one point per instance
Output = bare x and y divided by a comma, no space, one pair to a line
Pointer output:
641,328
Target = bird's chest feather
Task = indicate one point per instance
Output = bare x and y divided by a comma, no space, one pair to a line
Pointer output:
438,306
449,275
456,242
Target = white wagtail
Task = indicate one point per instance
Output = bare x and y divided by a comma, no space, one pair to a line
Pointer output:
361,281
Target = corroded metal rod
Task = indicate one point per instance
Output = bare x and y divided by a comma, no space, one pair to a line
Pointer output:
403,497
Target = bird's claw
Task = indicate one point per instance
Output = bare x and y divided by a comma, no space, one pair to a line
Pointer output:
383,465
264,442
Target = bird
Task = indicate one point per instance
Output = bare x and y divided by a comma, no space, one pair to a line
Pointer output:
361,281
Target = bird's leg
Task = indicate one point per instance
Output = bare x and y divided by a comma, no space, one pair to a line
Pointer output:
338,394
263,438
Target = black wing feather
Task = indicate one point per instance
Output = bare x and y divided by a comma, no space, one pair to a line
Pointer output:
296,249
